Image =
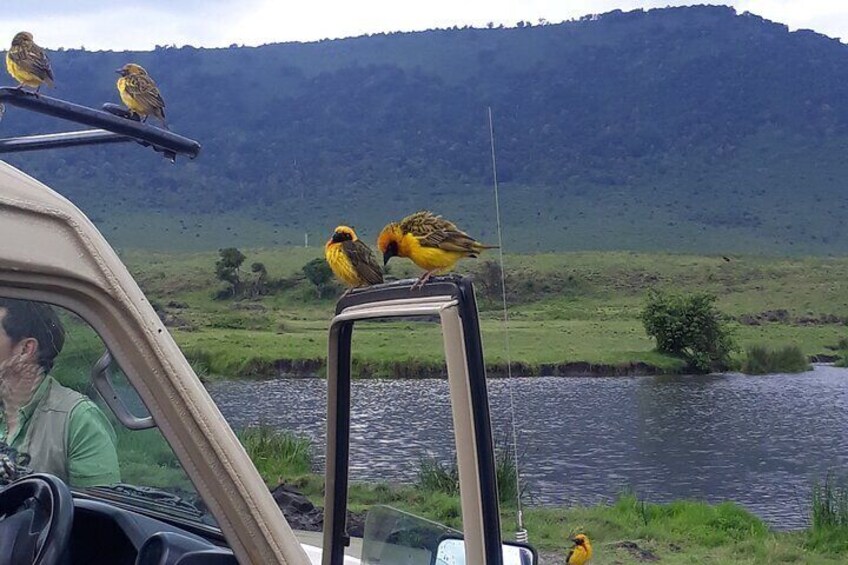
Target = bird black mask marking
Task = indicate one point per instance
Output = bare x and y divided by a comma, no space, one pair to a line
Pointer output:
391,251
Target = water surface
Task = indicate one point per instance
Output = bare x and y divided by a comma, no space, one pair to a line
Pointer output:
759,441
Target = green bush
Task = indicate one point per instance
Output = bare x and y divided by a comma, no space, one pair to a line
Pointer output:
789,359
689,326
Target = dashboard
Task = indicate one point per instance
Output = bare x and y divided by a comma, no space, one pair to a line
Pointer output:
106,533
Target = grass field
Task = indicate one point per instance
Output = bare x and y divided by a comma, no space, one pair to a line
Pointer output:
564,308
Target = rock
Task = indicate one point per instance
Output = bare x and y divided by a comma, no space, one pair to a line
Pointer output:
301,514
637,552
299,511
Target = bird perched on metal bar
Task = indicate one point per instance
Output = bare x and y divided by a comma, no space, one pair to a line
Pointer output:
28,63
431,242
140,93
581,552
351,260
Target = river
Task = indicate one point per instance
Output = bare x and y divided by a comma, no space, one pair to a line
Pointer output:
760,441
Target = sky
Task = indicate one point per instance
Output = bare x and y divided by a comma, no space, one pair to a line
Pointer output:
143,24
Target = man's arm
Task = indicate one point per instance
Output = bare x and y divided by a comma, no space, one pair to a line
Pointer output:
92,455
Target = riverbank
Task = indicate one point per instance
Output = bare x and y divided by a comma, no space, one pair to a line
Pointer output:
570,313
627,530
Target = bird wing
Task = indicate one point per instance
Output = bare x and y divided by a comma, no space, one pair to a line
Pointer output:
33,59
362,258
568,556
434,231
144,91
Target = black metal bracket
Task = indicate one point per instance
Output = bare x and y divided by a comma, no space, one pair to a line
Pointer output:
113,126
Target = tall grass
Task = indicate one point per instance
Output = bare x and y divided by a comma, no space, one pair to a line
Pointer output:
761,360
439,477
829,513
830,502
277,455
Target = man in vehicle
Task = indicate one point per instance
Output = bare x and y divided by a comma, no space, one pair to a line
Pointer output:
54,429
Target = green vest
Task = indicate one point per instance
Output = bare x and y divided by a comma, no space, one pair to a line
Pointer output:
46,436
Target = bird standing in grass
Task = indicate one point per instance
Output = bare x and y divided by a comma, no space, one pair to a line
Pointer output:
140,94
351,260
28,63
581,552
432,243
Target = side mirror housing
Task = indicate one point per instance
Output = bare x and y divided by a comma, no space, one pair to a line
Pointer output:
451,551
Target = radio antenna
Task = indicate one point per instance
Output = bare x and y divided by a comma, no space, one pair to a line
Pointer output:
521,534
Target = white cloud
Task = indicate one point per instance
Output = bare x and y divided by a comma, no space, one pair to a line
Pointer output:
215,23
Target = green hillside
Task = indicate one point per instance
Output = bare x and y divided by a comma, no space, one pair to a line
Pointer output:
683,129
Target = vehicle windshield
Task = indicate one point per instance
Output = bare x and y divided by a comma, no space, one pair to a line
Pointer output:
54,420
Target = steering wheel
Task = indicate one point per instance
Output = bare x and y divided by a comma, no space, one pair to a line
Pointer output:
36,514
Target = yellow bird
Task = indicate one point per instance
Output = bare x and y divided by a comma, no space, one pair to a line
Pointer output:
28,63
581,552
351,260
139,92
432,243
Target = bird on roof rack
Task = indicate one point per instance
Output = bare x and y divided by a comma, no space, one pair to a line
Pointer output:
28,63
140,93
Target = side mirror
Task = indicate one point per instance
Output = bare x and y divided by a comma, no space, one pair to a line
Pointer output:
101,378
451,551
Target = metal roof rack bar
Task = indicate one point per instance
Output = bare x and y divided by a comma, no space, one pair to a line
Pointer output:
112,128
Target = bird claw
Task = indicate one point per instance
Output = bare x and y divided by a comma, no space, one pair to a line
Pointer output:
419,284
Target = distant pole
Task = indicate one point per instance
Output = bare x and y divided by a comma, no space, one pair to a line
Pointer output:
306,239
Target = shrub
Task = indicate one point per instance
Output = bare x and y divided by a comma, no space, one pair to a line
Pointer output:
789,359
690,327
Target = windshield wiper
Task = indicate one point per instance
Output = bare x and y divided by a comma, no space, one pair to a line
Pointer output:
153,499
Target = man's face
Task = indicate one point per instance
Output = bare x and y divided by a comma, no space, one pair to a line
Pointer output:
27,347
6,345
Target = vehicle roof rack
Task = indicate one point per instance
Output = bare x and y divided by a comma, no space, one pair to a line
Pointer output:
113,125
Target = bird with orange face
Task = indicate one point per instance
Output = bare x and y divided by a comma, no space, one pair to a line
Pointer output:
581,552
351,260
431,242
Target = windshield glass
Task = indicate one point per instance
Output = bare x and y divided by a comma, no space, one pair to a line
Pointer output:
54,421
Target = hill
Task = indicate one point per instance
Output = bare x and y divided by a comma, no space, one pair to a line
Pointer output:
683,129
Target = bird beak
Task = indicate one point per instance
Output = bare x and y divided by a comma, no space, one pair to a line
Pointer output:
337,237
386,256
119,71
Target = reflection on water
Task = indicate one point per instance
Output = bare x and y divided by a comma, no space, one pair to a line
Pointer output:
759,441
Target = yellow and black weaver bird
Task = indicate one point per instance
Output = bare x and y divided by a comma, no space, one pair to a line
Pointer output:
28,63
140,93
581,552
431,242
351,260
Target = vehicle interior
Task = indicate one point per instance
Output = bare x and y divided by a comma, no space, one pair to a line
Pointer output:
188,492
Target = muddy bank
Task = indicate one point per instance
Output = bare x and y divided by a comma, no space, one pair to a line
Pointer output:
316,368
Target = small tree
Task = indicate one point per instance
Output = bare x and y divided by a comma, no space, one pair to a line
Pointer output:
689,326
318,272
227,268
260,283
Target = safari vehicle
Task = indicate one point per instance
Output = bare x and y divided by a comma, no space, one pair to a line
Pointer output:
52,253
